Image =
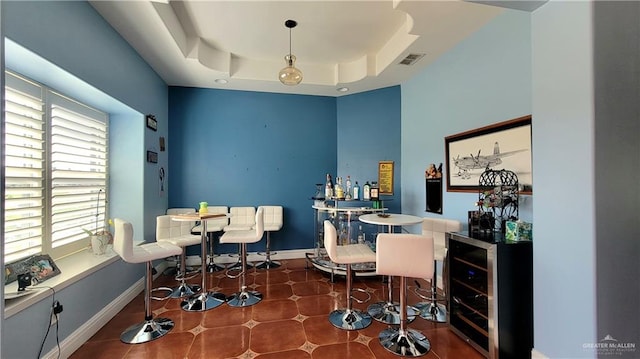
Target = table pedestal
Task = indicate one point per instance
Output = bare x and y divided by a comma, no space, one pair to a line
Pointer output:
205,300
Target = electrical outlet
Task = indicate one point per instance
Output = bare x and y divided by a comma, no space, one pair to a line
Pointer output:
56,309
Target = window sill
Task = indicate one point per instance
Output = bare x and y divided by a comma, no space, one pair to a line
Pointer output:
72,269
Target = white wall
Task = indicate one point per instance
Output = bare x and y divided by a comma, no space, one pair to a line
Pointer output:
484,80
564,216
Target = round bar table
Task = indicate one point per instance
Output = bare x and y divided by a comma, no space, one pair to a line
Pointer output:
204,300
389,312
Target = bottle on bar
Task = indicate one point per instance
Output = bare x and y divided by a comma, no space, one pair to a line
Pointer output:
356,191
348,189
366,191
328,188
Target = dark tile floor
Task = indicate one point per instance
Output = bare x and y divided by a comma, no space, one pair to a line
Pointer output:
290,322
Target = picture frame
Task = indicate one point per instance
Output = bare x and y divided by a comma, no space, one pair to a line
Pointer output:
41,267
151,122
504,145
385,178
152,157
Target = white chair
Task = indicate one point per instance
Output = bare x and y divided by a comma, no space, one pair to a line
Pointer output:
241,219
404,255
272,222
347,318
178,233
214,226
244,297
151,328
436,228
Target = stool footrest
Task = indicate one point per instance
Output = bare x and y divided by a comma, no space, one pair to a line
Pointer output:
162,289
360,301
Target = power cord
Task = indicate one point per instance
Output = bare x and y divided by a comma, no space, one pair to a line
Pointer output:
56,308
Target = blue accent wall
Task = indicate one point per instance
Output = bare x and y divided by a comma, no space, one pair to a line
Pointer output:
369,132
242,148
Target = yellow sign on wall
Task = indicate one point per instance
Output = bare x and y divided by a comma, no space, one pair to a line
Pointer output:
385,177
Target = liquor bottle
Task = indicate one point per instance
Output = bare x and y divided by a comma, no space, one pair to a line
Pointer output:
339,190
348,193
366,191
360,235
375,191
356,191
328,188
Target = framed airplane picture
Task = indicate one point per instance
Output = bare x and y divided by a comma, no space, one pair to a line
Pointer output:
505,145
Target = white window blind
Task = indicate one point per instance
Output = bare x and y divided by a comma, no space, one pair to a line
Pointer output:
56,171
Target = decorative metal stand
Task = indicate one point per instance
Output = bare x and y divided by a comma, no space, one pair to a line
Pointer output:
498,197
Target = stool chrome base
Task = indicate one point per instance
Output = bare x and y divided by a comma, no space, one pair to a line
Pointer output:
389,313
435,312
203,301
349,319
184,290
244,298
147,331
268,264
410,343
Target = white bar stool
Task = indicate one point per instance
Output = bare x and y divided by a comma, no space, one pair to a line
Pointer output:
404,255
272,222
244,297
151,328
347,318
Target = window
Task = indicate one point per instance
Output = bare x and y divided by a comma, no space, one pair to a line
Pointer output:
56,168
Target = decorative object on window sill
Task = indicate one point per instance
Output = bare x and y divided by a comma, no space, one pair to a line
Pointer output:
100,239
498,195
36,269
290,75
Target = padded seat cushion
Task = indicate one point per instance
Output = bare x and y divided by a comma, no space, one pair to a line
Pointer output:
123,245
345,254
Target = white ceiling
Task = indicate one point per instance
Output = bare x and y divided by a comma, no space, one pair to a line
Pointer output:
356,44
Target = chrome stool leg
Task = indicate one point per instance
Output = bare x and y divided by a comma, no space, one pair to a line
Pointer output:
404,341
244,297
389,312
268,263
349,318
212,266
430,309
151,328
184,289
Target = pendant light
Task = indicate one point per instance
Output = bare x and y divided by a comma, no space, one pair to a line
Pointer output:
290,75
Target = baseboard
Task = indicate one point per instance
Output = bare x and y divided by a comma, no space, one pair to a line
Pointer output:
537,355
75,340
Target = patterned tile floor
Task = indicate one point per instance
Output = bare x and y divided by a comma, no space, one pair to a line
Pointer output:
290,322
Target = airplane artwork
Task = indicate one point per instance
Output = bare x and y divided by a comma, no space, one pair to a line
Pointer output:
468,163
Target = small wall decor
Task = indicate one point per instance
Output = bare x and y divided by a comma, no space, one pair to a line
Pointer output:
385,177
501,145
433,188
161,143
151,122
152,157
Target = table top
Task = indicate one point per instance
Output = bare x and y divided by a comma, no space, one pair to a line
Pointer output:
391,219
196,216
